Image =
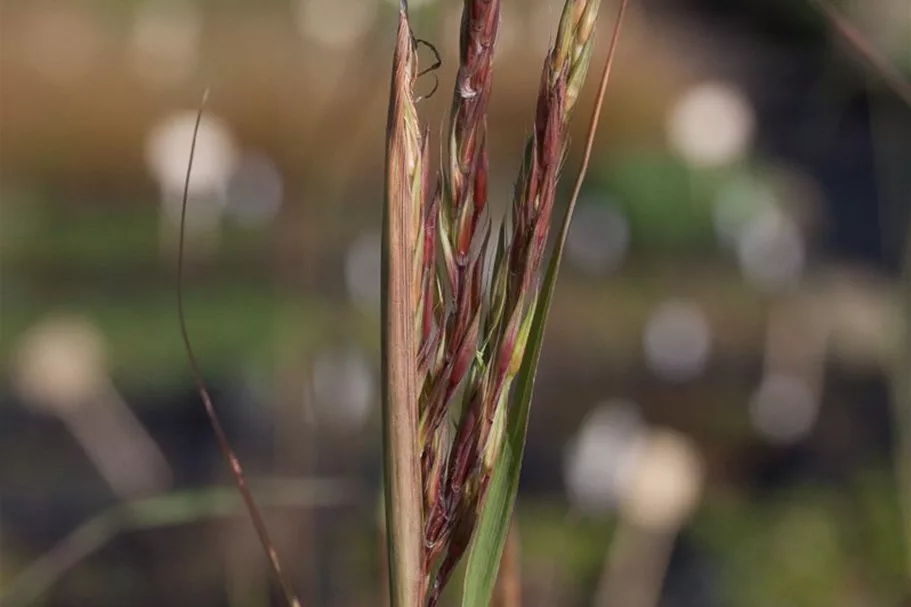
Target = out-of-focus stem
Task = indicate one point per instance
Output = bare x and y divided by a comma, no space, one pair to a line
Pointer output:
901,401
635,567
177,508
508,591
892,77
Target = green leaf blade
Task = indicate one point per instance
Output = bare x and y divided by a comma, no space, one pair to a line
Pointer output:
496,513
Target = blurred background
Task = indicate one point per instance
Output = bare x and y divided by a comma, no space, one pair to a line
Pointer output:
722,412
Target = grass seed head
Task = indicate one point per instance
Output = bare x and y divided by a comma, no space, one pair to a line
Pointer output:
466,337
513,290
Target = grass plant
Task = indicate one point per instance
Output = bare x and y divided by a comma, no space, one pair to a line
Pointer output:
457,336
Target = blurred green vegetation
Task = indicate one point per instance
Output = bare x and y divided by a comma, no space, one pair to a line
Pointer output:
812,545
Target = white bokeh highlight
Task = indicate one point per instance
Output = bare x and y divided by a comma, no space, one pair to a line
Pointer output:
711,125
739,200
677,341
168,154
61,363
362,270
599,238
783,409
771,251
599,460
344,390
666,483
61,369
255,190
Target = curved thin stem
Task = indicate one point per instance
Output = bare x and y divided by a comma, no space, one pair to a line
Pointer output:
225,446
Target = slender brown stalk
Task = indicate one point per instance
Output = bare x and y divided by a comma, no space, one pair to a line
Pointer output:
223,443
901,386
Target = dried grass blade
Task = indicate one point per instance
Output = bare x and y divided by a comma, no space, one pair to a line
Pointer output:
402,479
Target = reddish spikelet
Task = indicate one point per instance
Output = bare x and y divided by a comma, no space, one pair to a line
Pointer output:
426,311
463,238
513,293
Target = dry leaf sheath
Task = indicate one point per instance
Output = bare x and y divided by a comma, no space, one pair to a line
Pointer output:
401,221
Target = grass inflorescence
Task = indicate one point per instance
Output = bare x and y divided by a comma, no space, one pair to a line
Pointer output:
460,299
